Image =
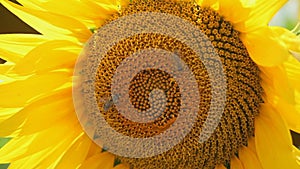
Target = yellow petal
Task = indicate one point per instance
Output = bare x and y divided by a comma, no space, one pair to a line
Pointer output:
276,153
29,161
278,83
221,166
39,115
206,3
76,154
123,3
121,166
14,46
103,160
6,113
261,14
51,25
88,12
4,68
7,76
281,94
290,38
297,154
248,159
104,11
20,43
52,159
235,163
297,96
51,55
94,149
54,137
6,151
48,157
6,79
251,145
19,93
292,68
117,3
296,55
265,47
290,114
45,112
10,56
240,13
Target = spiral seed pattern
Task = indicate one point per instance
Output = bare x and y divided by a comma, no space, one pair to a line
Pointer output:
244,92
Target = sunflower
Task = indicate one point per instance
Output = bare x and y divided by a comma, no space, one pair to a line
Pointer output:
259,63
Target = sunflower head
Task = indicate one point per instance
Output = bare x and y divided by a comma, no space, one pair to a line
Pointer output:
140,94
157,84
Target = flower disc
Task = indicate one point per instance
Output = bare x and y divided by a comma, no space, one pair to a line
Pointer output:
175,89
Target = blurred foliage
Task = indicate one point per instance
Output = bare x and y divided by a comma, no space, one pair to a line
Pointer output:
288,16
4,166
3,141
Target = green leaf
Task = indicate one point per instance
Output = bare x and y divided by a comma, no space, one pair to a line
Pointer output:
3,141
4,166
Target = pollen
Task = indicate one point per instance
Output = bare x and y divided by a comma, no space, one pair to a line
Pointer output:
243,97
